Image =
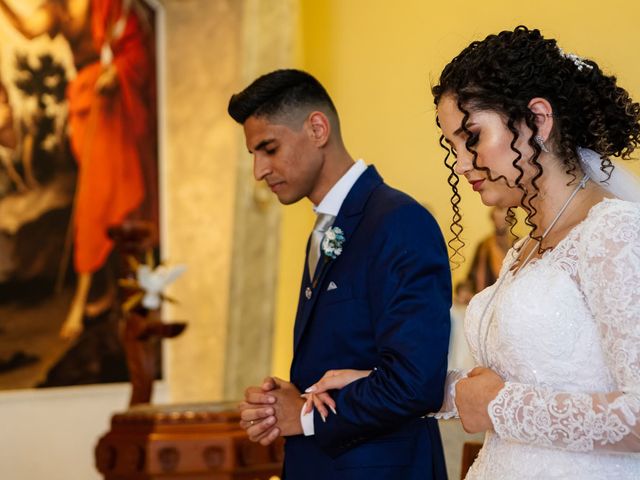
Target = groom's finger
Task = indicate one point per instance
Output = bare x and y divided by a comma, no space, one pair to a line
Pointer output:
250,424
247,424
257,395
260,398
279,383
268,384
256,431
270,436
253,414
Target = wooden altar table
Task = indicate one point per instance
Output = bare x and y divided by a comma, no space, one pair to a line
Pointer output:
183,442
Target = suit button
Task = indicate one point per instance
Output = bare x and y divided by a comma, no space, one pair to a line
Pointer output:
308,293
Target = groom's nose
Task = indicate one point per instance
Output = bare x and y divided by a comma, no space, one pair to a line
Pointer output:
261,166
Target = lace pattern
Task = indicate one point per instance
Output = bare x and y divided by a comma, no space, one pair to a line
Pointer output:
579,422
566,339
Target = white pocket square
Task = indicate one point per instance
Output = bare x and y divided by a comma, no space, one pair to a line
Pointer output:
332,286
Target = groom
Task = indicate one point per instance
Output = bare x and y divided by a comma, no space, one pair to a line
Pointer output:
375,295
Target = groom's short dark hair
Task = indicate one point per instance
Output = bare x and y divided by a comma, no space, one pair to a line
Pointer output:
279,93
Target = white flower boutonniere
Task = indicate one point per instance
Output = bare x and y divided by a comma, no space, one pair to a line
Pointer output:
332,242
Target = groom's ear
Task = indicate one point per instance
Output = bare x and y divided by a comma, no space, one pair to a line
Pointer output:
544,116
318,128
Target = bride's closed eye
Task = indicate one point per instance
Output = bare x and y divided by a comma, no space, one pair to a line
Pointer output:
472,139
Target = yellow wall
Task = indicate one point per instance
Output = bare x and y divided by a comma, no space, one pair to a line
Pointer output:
377,58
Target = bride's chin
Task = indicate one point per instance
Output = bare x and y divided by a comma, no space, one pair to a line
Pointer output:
491,199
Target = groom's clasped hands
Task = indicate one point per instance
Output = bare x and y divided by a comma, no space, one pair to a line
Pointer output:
273,408
270,410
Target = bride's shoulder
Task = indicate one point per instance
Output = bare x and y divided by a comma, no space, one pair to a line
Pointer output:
613,210
609,225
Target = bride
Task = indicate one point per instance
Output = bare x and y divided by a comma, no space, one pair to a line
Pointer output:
557,337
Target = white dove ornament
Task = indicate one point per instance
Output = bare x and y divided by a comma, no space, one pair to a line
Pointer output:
154,281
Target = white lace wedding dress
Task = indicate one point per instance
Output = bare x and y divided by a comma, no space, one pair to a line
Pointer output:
565,336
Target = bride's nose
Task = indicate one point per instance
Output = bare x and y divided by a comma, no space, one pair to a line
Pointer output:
464,162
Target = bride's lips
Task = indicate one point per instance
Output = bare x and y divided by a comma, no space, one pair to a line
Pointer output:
476,184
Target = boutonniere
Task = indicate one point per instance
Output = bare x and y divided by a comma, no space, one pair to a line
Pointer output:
150,283
332,242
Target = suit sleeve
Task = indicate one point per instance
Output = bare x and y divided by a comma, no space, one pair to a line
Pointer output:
409,296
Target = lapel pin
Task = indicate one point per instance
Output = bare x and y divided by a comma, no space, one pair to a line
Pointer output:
332,286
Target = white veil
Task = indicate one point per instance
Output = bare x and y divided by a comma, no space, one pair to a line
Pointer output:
622,184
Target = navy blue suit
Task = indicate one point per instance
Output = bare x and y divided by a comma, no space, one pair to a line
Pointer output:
389,311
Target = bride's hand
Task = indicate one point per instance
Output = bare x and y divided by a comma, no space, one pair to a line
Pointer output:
473,395
317,395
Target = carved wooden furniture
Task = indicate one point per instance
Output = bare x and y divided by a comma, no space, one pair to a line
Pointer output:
170,442
142,329
183,442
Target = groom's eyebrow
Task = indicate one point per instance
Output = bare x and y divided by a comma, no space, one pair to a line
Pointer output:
262,144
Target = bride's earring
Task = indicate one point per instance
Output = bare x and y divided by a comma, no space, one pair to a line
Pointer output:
538,139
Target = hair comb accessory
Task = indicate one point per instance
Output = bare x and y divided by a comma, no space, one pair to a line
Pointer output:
577,61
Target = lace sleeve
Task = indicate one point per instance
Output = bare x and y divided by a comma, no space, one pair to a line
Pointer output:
449,409
609,276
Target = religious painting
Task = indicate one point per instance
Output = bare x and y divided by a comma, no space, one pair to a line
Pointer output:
78,155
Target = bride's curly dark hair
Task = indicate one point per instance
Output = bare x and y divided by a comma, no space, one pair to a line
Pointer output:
503,72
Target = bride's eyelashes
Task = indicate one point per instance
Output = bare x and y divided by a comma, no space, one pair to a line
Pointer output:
473,139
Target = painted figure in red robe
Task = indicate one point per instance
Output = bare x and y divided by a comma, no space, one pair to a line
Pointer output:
111,125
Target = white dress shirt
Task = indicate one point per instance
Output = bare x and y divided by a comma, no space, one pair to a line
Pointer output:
334,198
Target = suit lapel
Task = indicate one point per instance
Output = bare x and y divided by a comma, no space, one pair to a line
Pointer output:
348,219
